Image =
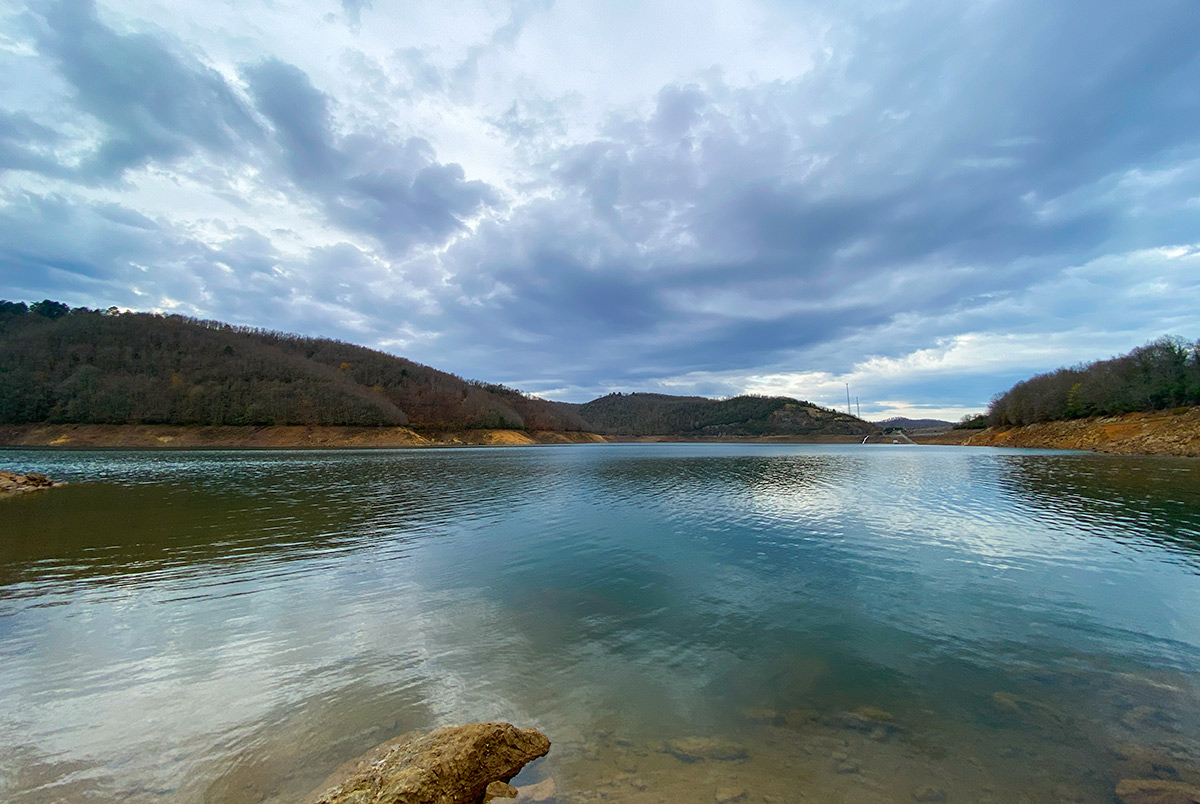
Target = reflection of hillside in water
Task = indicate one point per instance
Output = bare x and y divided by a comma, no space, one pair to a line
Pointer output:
619,597
197,512
1150,502
215,509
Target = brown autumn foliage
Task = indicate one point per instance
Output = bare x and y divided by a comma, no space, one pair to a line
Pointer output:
106,367
79,366
1160,375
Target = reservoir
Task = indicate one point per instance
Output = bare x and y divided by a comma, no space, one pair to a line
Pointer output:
867,624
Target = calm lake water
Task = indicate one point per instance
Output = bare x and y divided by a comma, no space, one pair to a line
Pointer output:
686,622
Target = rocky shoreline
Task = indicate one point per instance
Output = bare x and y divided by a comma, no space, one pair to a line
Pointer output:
17,483
473,764
468,764
160,436
1168,433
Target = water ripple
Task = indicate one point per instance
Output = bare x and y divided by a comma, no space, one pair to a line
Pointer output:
262,616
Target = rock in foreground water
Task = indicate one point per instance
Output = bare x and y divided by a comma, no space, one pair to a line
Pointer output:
448,766
14,483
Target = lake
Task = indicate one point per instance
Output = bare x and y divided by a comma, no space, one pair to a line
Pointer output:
710,623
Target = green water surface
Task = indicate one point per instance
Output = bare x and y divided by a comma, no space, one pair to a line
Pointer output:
860,623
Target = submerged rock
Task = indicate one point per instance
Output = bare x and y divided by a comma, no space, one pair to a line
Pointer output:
694,749
847,766
878,722
929,794
1142,762
454,765
1030,711
499,790
799,718
1146,717
1069,795
769,717
873,714
544,790
1157,791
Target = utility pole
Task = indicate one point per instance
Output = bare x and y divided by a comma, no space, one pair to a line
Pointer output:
858,407
849,412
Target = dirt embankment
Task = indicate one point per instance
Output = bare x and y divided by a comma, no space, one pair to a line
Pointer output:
1157,433
141,436
817,438
512,438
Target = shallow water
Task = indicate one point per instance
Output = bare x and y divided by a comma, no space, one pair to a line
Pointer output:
832,623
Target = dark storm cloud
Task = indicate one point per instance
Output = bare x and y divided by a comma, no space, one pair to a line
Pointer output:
977,150
732,344
1101,90
302,121
26,144
155,104
396,192
104,254
101,253
557,290
52,243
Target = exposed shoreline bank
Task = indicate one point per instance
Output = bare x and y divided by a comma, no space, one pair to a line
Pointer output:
770,439
1167,433
162,436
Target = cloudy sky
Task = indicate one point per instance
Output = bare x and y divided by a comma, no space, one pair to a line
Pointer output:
926,200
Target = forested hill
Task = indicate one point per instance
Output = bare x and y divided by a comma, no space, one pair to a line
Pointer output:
659,414
108,367
79,366
1162,374
904,423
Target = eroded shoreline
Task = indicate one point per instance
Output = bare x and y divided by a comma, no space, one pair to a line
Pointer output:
1162,433
161,436
1165,433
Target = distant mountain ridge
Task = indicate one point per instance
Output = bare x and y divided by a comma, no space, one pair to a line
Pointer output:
906,423
79,366
740,416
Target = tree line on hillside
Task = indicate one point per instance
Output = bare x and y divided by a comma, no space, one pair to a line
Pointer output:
661,414
64,365
82,366
1162,374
